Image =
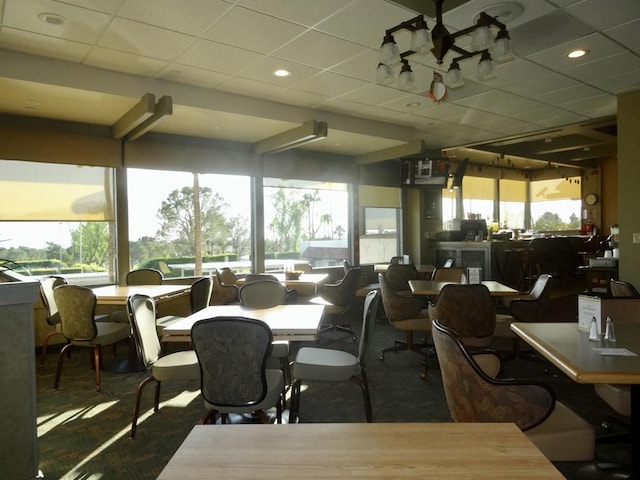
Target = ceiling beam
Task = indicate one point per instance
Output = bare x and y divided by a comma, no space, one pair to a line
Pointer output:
400,151
162,110
306,133
135,116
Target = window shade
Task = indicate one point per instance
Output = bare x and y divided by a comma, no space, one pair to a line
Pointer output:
555,189
370,196
43,192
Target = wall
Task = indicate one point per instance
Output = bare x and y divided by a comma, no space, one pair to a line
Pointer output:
609,175
628,184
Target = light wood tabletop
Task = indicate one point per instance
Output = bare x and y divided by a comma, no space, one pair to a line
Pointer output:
305,279
570,349
287,322
432,288
424,269
359,451
118,294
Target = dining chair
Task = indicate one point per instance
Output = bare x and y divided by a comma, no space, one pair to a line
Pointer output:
232,353
303,267
406,313
267,294
259,277
468,310
398,275
330,365
199,298
224,293
532,306
337,298
47,284
448,274
620,288
77,305
144,276
160,368
473,396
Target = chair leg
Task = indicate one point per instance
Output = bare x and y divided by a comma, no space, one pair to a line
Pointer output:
363,383
294,409
136,410
64,350
45,344
97,364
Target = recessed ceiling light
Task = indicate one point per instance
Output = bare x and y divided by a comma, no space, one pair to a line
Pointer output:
52,18
577,53
32,104
281,72
412,104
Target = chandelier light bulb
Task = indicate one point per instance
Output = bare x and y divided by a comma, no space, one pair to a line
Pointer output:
406,80
453,77
481,38
389,51
502,50
486,68
421,41
384,74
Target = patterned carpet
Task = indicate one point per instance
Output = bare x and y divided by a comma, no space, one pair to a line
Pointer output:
85,435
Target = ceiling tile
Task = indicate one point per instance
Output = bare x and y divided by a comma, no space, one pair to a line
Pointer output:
519,70
319,50
192,17
465,15
501,103
42,45
253,31
81,24
300,98
606,67
603,15
365,21
263,69
124,62
626,82
374,94
252,88
406,104
542,85
192,75
140,39
339,105
571,94
217,57
627,34
596,44
585,105
304,12
105,6
330,84
361,66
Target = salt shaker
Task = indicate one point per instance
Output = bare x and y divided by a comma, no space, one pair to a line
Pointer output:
610,334
593,331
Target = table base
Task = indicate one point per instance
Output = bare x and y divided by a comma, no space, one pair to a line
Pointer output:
604,471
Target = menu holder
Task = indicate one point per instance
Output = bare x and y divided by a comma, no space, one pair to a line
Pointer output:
474,275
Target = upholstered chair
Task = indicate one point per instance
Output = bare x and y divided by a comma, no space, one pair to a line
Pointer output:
47,284
337,298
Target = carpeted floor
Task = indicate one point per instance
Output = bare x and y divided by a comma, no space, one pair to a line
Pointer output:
85,435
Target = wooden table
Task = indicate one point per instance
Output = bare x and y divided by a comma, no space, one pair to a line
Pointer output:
118,294
422,269
287,322
570,350
432,288
359,451
306,279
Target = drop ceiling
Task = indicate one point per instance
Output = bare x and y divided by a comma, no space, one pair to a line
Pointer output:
95,59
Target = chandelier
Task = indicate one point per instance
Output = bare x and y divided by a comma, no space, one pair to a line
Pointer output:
440,42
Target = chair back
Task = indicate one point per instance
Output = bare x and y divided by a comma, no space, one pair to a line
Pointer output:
200,293
232,353
144,276
396,260
77,306
47,284
473,396
398,307
223,294
398,276
620,288
263,294
369,315
260,277
342,292
163,267
227,276
448,263
142,318
468,310
533,307
303,267
451,274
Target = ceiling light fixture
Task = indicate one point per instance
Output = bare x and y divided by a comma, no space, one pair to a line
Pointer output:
310,131
281,72
440,42
51,18
577,53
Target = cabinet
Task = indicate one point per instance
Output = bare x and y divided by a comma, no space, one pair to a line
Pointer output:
18,433
465,254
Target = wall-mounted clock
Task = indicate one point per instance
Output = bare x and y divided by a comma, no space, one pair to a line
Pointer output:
590,199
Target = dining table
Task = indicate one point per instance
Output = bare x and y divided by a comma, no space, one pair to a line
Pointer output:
568,347
432,288
358,451
296,322
423,269
118,294
305,279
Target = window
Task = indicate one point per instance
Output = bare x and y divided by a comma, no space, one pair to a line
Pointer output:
380,225
513,196
163,221
449,208
555,204
305,220
478,195
60,220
